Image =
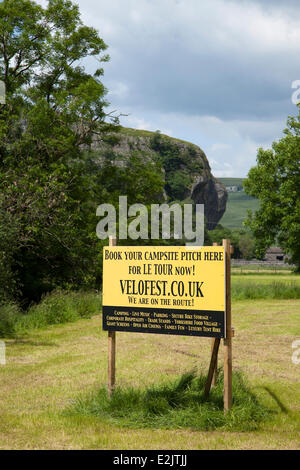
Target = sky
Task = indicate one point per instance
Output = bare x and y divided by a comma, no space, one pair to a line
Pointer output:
217,73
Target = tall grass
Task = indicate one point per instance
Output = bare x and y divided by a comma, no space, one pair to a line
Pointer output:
54,308
9,317
245,289
62,307
178,404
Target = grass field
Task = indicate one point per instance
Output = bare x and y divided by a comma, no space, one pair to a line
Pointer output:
49,369
266,278
261,269
236,211
237,205
232,181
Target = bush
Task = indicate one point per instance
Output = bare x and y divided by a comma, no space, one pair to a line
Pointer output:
179,165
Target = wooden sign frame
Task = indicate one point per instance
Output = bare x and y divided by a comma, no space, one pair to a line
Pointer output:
212,371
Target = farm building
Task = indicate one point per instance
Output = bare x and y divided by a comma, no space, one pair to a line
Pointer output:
275,253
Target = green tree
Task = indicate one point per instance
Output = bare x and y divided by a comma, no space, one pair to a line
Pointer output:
54,111
51,181
246,246
178,163
275,180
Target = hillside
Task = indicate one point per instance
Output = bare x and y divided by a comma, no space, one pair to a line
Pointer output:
184,166
187,173
238,204
232,181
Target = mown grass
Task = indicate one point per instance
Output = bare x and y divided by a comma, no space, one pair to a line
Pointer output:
56,308
177,404
50,368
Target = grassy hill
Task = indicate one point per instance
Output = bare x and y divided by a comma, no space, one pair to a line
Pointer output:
237,205
232,181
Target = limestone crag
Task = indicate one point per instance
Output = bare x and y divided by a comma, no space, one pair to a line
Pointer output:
181,161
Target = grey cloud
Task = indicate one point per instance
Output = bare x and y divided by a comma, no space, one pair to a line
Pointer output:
164,69
215,71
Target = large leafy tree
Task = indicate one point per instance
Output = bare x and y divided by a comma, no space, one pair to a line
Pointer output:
275,180
51,183
54,110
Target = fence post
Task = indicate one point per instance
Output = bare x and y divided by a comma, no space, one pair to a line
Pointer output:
215,371
111,346
228,336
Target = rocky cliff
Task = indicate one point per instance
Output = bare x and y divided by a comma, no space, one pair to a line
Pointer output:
187,172
209,191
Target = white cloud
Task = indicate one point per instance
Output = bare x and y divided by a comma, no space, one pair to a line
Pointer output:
119,90
218,147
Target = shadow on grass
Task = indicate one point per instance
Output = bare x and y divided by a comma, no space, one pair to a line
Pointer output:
282,407
179,404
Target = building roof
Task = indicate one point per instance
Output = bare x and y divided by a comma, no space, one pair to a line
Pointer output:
275,250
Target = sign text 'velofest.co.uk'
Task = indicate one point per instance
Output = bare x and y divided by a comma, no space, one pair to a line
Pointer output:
175,290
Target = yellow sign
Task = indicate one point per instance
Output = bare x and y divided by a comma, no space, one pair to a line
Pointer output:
155,288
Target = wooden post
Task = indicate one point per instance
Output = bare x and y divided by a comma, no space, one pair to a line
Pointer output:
228,335
111,346
215,371
212,366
